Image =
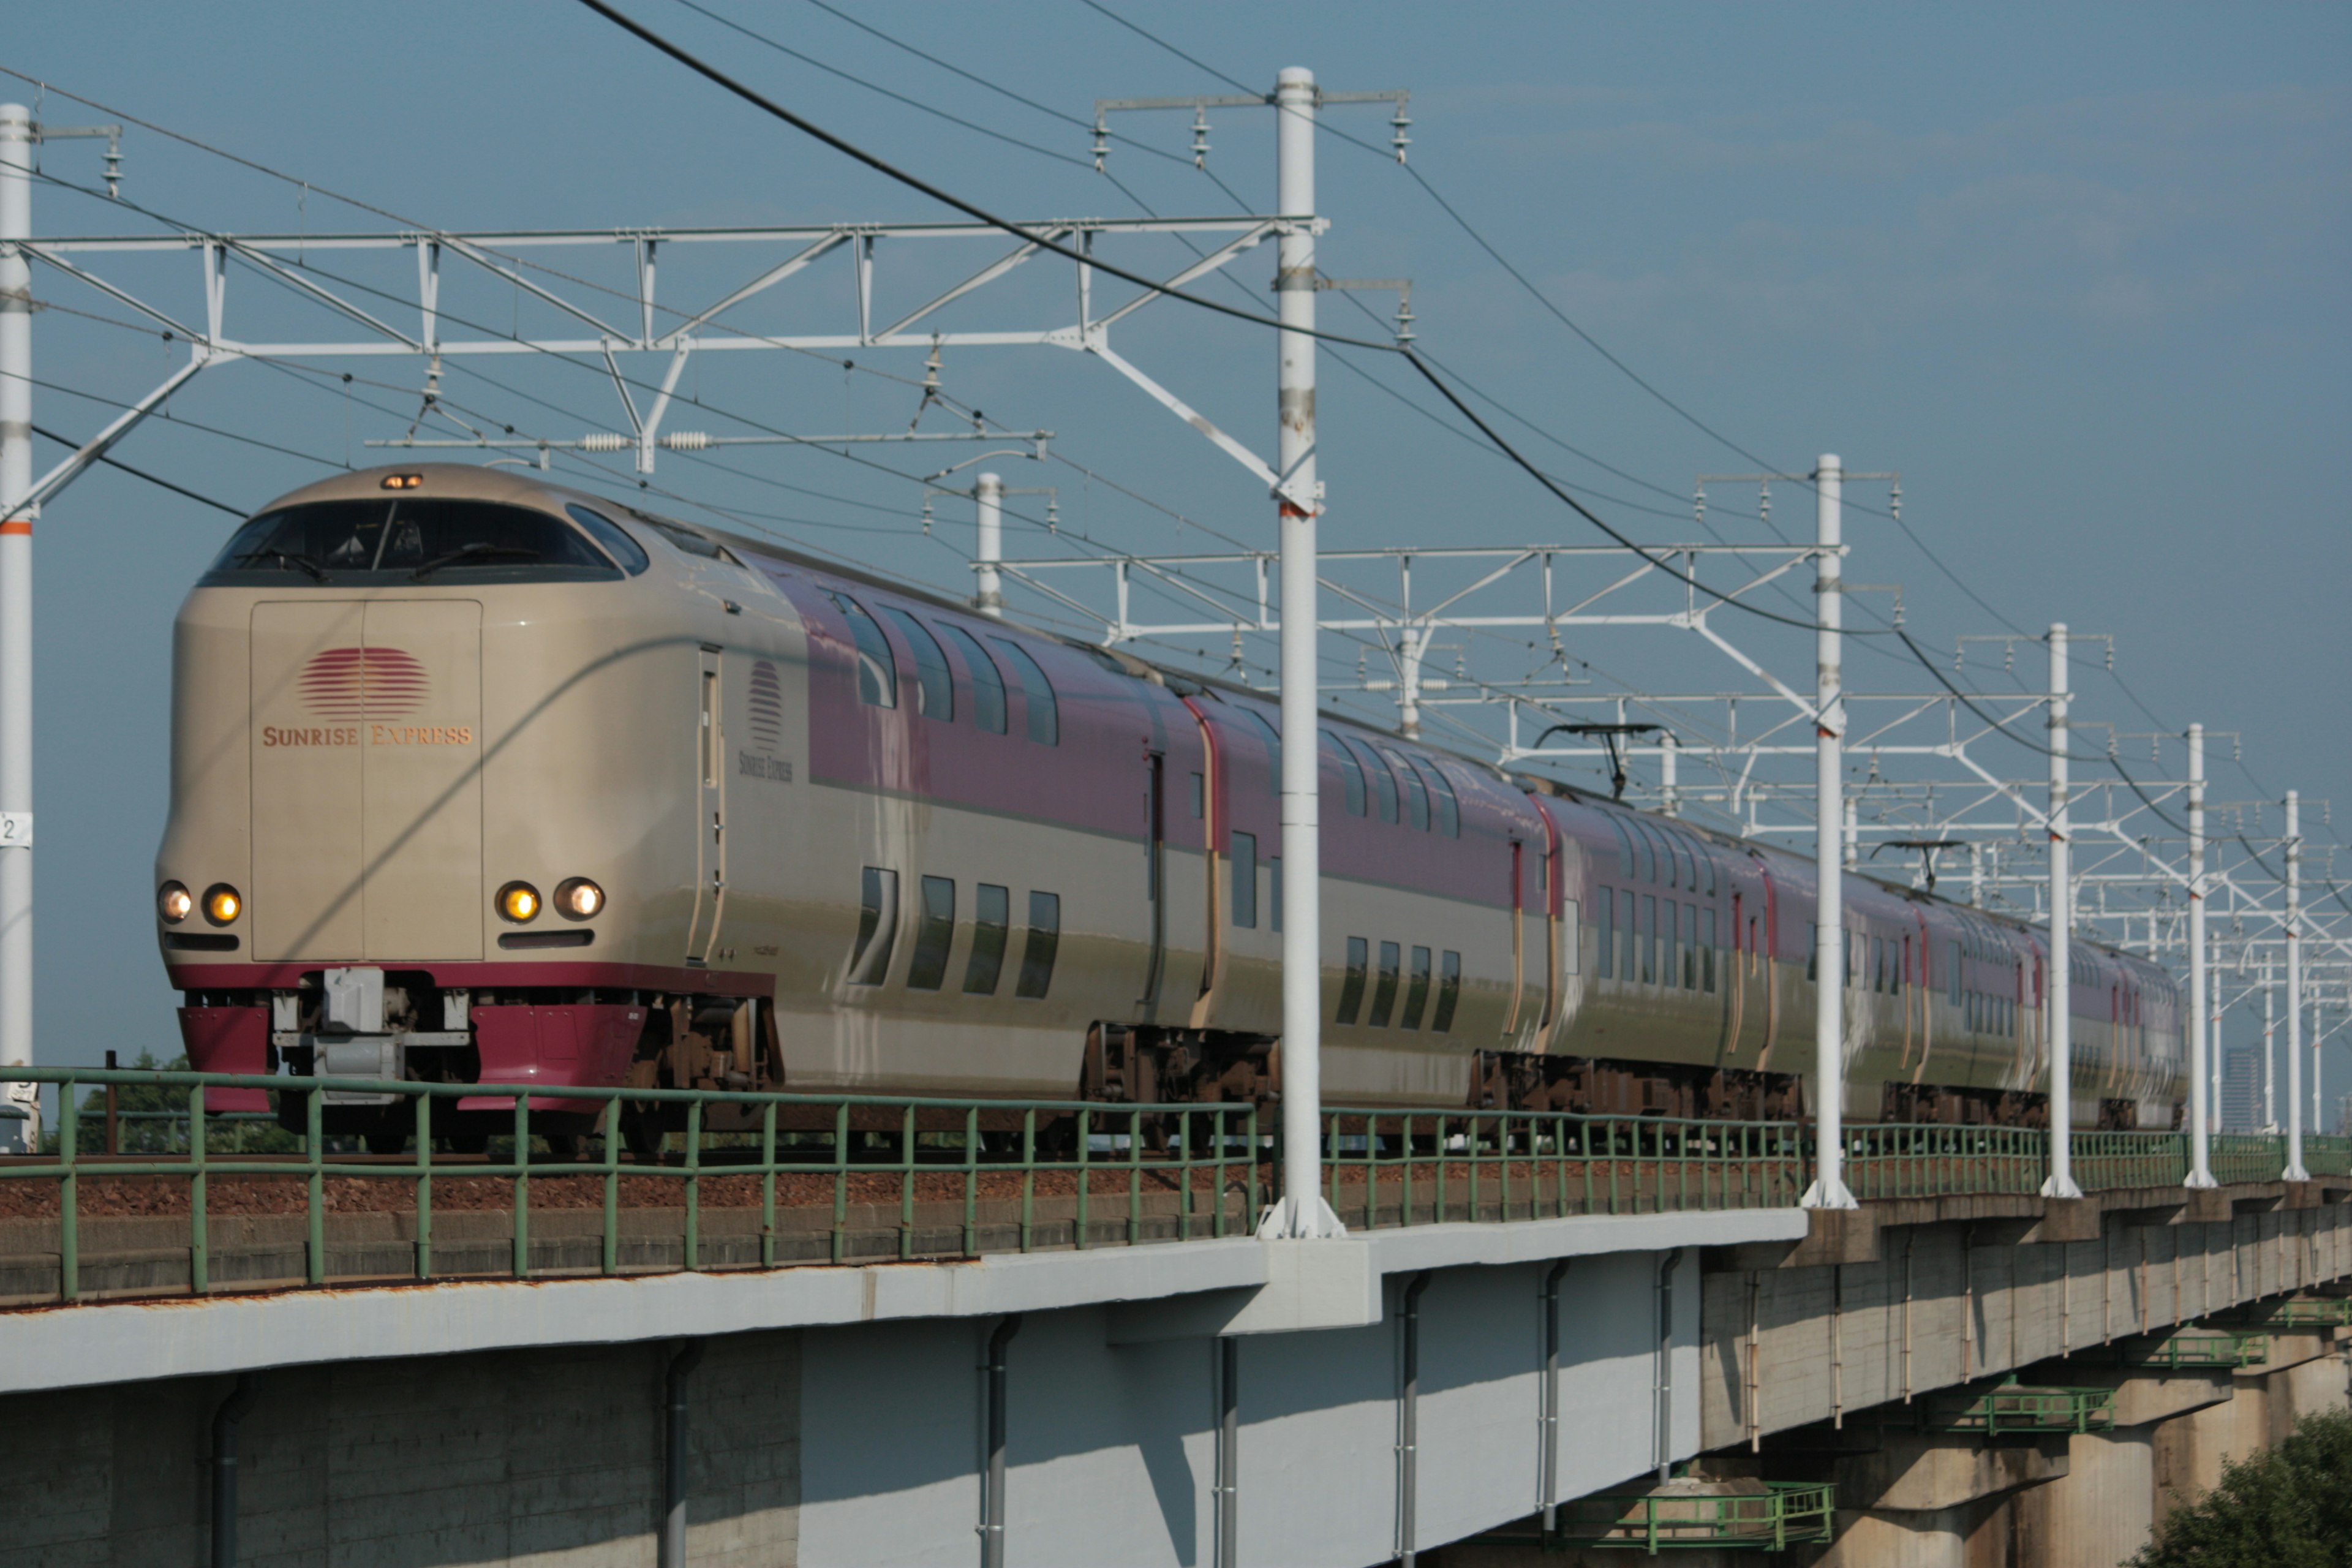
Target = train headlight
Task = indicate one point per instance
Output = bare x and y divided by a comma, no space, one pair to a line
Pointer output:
519,902
578,899
175,902
222,903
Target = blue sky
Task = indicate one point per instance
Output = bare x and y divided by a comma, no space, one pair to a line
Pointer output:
2076,271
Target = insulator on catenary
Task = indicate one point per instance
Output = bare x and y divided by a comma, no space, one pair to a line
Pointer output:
687,440
605,441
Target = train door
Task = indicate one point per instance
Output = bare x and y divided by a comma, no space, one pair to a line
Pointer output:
1764,953
710,812
1555,929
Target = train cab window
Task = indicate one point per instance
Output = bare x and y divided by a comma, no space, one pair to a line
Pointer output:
934,686
1242,865
878,670
927,969
378,542
1449,989
1351,775
1271,738
878,926
1351,984
1624,845
627,553
1045,712
987,680
1384,992
1384,786
1416,991
992,913
1044,941
1441,800
686,539
1604,939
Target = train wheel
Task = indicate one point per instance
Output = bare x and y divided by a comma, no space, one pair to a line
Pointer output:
466,1143
641,1130
387,1142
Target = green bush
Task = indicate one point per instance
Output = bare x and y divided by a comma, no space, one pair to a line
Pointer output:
2290,1507
154,1121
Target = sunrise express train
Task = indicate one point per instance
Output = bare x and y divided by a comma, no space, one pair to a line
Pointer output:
479,779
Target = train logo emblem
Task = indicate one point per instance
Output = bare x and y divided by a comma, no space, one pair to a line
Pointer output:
765,703
349,683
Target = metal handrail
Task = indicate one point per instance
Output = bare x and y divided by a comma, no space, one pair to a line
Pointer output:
1785,1514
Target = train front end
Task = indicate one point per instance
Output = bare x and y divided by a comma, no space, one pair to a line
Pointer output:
428,821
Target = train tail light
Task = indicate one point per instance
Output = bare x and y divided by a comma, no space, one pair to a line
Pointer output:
175,902
579,898
222,903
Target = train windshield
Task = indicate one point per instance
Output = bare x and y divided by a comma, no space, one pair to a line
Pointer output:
408,539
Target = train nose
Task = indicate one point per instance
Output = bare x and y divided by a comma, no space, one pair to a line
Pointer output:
366,755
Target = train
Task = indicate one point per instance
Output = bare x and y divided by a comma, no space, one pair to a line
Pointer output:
479,779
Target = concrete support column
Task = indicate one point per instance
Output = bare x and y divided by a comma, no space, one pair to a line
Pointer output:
1928,1500
2104,1511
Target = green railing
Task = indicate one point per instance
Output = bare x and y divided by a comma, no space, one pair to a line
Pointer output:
2014,1407
867,1177
1385,1168
2294,1312
2193,1349
1779,1515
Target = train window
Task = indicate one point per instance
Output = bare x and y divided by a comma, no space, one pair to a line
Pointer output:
927,969
1416,993
1351,775
934,684
987,680
684,537
627,553
877,670
1449,989
1271,738
1625,935
1689,862
411,538
991,913
1200,796
1440,794
1351,986
1690,947
1666,921
1952,982
1624,845
1384,788
1242,865
1044,940
1641,936
1707,951
1274,892
1384,991
1604,938
1571,943
1648,847
878,926
1707,860
1416,793
1045,713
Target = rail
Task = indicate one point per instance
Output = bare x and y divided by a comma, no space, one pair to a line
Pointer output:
766,1181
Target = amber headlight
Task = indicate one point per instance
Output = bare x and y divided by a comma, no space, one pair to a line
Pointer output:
518,901
222,903
174,902
579,898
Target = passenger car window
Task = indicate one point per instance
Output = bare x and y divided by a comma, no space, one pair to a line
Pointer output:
1243,867
1045,713
1351,775
987,680
992,913
1384,786
877,671
1384,993
934,687
1416,996
1449,990
1416,793
878,926
1273,739
1441,797
1044,941
1351,985
927,969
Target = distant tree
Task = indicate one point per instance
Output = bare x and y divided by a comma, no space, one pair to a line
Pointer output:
153,1120
2288,1507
